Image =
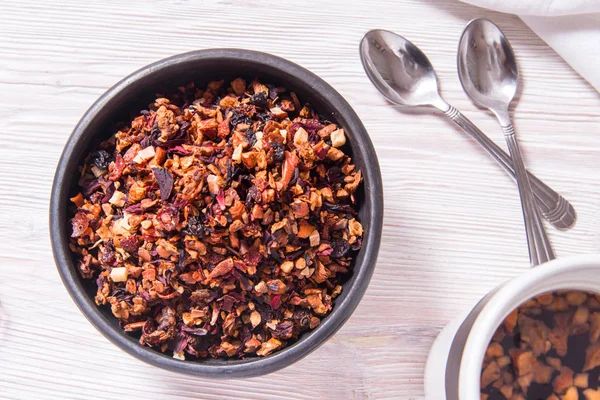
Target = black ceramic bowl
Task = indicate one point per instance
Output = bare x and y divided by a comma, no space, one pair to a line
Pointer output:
134,93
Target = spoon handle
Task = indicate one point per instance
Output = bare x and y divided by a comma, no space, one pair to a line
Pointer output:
540,249
555,208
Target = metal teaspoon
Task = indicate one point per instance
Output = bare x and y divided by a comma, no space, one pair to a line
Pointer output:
488,73
403,74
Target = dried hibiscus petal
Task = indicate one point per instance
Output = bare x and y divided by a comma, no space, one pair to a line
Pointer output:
275,302
135,209
194,331
335,175
259,99
165,182
278,152
180,150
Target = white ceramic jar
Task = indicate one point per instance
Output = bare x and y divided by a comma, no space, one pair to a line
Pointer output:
453,369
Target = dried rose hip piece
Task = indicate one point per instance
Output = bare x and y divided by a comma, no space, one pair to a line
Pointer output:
221,221
547,348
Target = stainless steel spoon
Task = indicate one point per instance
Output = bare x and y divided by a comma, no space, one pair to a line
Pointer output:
488,73
402,72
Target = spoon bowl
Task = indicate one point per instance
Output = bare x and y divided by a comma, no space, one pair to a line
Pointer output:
399,69
487,67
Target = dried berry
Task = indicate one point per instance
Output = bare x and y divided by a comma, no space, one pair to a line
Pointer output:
80,224
259,99
101,158
278,151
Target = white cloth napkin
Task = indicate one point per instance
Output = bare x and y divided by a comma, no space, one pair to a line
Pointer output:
570,27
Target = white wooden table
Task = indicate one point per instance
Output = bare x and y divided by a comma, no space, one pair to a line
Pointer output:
453,227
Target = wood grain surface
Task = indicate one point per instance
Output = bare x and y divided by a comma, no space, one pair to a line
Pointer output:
453,227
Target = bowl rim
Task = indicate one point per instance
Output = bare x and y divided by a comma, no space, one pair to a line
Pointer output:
234,368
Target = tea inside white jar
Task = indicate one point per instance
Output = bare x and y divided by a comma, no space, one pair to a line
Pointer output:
546,349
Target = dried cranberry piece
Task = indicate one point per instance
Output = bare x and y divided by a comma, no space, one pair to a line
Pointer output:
180,150
312,125
109,191
135,209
